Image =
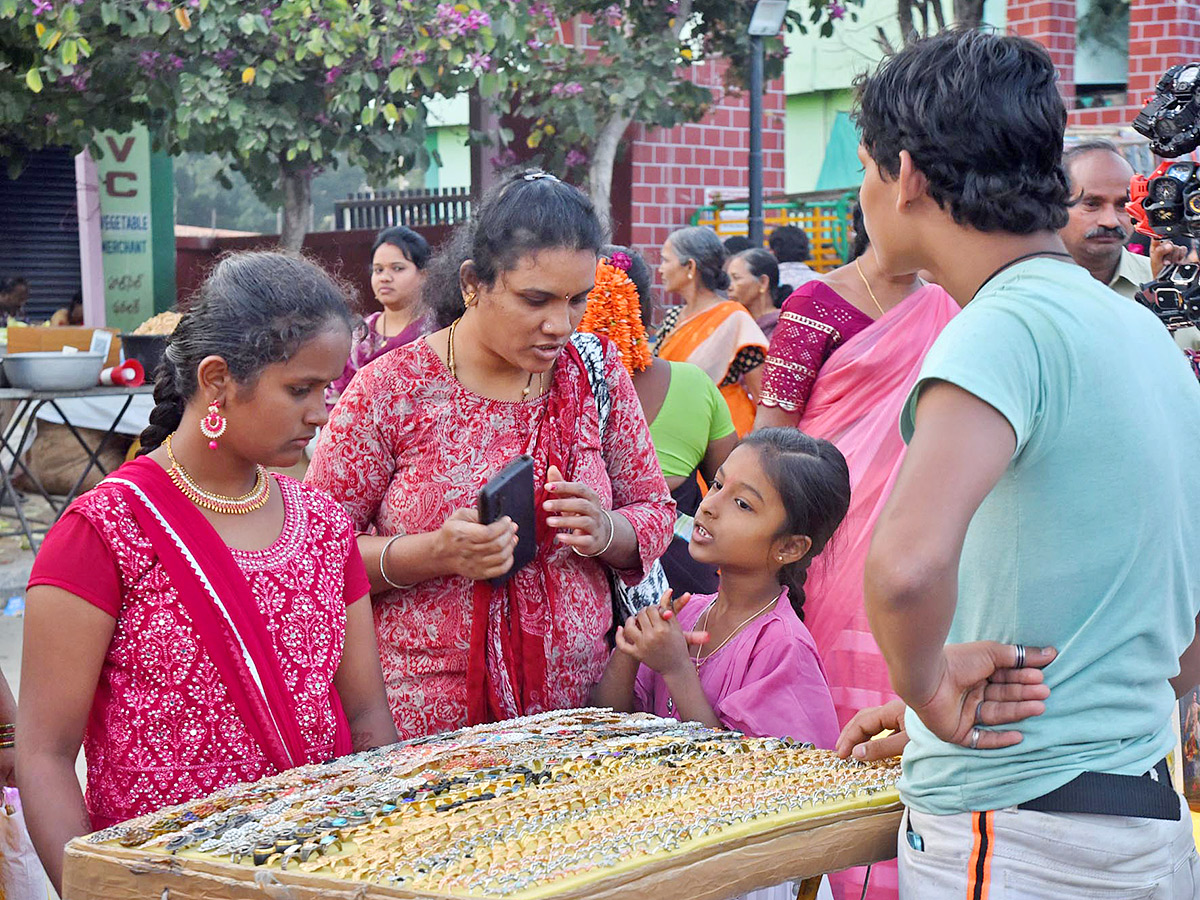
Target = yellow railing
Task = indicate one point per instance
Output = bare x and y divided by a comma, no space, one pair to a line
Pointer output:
826,222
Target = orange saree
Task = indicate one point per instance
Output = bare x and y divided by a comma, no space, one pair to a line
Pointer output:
712,340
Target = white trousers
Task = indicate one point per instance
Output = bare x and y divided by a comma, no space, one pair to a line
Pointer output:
1011,854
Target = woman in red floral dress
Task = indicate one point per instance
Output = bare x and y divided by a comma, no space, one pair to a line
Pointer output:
421,430
193,633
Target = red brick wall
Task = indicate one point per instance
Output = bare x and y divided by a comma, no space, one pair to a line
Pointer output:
1162,33
665,174
1052,24
674,170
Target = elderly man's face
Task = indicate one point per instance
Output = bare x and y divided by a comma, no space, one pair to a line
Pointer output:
1099,226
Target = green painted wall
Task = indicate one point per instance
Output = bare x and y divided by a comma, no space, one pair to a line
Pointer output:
162,225
448,133
809,121
455,170
819,73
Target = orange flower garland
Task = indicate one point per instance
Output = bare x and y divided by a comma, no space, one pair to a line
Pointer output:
614,311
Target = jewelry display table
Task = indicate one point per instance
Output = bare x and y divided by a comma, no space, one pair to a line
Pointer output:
561,806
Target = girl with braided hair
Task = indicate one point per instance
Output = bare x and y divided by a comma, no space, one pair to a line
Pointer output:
742,658
195,621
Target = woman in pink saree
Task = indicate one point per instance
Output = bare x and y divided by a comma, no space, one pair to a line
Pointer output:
855,403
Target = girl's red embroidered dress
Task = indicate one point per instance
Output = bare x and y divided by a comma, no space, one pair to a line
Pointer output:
222,661
405,447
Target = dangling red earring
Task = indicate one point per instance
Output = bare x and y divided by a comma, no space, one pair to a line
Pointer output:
213,425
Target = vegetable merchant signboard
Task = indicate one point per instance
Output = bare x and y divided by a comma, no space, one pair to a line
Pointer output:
136,239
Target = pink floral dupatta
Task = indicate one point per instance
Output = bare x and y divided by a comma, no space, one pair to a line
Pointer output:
217,597
856,404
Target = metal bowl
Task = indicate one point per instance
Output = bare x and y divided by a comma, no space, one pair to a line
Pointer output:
53,370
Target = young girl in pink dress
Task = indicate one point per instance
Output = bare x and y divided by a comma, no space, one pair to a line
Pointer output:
742,658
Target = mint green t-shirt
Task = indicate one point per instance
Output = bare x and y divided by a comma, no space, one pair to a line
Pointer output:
1087,543
693,414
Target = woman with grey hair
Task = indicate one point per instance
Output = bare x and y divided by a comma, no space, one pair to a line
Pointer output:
709,330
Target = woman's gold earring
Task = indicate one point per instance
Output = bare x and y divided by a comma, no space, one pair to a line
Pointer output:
469,300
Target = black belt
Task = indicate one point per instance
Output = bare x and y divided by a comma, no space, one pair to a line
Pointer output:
1148,796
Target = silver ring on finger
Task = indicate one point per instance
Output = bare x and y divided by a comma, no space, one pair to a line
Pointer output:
979,713
976,734
1020,656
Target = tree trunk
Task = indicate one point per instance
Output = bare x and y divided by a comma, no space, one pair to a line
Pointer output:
600,168
297,202
904,14
968,13
884,42
939,14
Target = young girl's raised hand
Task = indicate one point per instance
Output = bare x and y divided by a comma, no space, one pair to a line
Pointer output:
669,605
652,638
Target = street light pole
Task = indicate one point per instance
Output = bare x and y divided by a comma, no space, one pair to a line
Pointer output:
766,21
756,161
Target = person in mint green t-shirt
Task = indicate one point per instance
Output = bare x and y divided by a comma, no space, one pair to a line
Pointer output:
1034,579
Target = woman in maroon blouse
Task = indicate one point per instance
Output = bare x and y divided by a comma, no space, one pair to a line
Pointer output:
816,319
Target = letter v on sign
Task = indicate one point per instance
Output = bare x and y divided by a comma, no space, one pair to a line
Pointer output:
123,153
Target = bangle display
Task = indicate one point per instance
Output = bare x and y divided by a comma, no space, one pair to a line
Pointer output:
383,563
612,533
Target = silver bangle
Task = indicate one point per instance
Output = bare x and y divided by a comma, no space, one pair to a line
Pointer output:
612,533
383,568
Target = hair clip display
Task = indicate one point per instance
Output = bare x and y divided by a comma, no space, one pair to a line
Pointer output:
530,807
537,174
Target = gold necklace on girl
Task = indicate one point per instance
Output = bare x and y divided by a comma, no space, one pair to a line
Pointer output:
255,499
700,627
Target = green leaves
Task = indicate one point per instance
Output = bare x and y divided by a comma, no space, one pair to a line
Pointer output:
312,80
398,79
